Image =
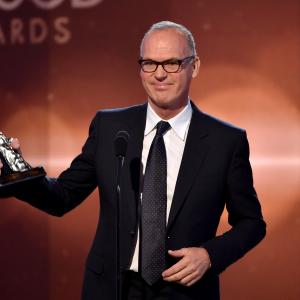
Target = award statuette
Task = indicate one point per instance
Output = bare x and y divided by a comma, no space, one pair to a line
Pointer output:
15,170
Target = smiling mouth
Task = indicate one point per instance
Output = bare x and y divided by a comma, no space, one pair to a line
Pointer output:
161,87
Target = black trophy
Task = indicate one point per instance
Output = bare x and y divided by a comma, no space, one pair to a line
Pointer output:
15,171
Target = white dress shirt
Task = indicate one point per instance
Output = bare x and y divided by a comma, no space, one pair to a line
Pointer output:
174,140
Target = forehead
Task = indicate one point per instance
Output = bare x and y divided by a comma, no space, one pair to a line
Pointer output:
164,44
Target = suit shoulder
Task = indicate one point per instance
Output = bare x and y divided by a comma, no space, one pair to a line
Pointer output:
125,117
221,134
122,111
214,124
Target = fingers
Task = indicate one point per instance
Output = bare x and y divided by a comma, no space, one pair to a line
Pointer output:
190,279
178,266
177,253
182,272
175,269
183,276
190,268
15,144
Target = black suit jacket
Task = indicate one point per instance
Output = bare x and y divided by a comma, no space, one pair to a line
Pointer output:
215,171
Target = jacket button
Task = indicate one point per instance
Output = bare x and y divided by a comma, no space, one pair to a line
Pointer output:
132,232
168,237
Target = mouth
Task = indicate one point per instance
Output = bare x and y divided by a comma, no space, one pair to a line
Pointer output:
161,86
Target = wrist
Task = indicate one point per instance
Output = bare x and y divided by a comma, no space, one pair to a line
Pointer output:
207,257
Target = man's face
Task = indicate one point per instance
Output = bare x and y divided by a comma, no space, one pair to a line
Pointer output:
168,91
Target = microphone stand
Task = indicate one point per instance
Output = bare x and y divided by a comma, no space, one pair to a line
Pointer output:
120,143
120,159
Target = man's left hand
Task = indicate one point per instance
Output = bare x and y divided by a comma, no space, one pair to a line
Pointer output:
190,268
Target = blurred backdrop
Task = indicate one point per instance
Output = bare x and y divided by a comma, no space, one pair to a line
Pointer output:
61,61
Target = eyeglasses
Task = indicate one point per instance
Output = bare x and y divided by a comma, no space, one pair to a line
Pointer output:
170,65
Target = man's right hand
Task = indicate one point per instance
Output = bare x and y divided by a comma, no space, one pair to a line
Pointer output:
15,144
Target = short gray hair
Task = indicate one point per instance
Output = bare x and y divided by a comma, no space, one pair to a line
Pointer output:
163,25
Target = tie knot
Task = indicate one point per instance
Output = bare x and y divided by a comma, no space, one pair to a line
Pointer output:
162,127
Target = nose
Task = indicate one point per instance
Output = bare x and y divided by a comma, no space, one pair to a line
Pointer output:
160,73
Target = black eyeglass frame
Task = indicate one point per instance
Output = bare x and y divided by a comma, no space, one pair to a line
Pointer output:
180,62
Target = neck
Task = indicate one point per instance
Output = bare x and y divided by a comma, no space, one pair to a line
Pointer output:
167,113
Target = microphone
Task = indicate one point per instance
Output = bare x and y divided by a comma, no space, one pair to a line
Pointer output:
121,142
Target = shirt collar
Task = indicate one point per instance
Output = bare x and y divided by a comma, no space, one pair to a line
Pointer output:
179,123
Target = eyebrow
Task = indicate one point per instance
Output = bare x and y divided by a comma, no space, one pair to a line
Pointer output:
172,58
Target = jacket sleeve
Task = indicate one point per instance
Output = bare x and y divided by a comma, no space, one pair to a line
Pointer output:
57,196
244,213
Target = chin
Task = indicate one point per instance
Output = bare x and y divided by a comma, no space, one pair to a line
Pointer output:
164,104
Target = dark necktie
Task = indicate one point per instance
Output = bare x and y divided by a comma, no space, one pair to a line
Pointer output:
154,206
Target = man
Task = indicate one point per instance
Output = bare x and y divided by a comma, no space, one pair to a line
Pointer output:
192,165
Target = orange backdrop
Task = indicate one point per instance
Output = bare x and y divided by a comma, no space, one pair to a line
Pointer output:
60,64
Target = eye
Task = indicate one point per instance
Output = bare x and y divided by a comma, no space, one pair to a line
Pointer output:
172,63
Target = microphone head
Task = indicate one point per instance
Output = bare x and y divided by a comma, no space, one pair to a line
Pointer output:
121,142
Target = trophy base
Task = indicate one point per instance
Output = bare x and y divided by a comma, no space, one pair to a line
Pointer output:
9,183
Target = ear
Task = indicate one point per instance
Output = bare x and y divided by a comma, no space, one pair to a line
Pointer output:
196,66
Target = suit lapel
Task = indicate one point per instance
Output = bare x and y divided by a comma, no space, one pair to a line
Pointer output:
194,153
135,125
